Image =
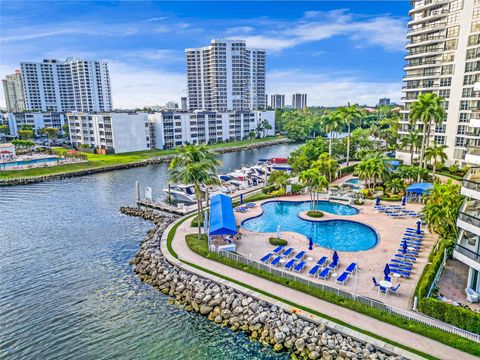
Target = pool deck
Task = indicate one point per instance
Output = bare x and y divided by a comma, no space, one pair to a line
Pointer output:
371,262
351,317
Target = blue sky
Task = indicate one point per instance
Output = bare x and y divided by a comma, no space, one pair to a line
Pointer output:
336,51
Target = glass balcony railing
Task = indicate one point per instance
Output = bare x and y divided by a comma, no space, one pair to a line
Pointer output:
472,178
472,254
469,218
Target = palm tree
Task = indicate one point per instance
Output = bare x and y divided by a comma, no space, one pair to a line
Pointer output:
194,165
412,141
373,169
326,165
435,152
428,108
331,122
308,178
395,185
351,115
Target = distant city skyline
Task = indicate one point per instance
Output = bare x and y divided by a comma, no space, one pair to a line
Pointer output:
334,52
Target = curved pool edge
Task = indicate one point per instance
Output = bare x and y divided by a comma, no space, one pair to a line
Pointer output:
377,235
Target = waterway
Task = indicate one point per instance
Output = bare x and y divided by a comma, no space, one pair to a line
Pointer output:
67,290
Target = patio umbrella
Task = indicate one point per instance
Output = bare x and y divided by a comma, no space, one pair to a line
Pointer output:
404,246
404,200
377,201
310,244
419,223
386,271
335,257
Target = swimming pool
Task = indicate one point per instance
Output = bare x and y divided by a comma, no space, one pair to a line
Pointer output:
28,162
354,181
341,235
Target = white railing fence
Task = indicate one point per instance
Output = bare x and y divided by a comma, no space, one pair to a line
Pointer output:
406,314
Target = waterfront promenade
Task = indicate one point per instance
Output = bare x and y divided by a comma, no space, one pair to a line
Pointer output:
368,324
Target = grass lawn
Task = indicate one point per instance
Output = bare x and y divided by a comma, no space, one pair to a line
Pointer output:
96,161
201,247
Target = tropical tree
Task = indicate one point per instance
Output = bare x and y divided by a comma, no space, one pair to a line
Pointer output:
435,152
278,178
395,185
23,145
4,129
194,165
297,128
326,165
411,141
427,109
315,182
52,133
373,169
25,134
441,209
350,114
66,130
331,123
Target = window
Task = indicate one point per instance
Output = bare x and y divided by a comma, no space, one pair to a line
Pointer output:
476,12
475,26
471,54
446,81
461,129
467,92
445,93
472,66
440,140
473,40
463,105
456,5
468,79
453,19
459,141
447,69
452,31
451,44
464,118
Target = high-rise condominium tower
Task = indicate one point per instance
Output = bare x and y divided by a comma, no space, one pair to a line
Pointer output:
70,85
299,101
13,90
225,76
444,58
277,101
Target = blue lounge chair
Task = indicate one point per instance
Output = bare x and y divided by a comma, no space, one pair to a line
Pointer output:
409,252
278,249
375,283
289,265
405,258
343,278
351,268
299,267
313,271
382,289
250,205
395,289
325,273
241,209
288,252
404,274
402,263
300,255
322,262
266,258
276,261
333,265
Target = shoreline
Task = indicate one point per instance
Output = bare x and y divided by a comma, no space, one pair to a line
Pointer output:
150,161
226,306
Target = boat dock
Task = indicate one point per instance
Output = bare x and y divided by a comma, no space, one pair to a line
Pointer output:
183,209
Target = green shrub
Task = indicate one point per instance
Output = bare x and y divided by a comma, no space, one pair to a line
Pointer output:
315,213
279,192
277,241
268,189
296,188
358,202
347,169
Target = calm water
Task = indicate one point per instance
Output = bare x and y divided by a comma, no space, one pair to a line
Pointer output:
341,235
67,291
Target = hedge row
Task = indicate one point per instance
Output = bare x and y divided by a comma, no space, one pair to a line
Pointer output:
347,169
455,315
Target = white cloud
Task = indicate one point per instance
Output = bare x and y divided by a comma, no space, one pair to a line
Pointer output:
385,31
138,87
331,89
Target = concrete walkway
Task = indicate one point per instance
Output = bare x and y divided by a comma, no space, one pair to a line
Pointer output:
353,318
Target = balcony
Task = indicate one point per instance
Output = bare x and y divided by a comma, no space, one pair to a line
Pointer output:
426,4
467,249
471,183
469,215
473,155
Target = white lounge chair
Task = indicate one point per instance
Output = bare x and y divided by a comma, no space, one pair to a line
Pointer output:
472,296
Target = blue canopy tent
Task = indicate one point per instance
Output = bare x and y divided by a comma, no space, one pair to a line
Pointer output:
222,219
420,188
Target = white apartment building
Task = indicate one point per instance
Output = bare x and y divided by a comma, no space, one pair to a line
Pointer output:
467,248
173,129
299,101
110,132
444,58
226,76
13,90
277,101
70,85
36,120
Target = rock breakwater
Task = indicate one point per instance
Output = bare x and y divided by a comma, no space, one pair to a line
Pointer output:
262,321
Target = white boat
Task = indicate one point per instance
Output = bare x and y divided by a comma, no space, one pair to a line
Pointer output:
181,193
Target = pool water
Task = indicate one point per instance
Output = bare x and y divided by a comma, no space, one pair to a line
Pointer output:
340,235
28,162
354,181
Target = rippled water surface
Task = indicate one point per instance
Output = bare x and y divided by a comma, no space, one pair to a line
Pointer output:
67,291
